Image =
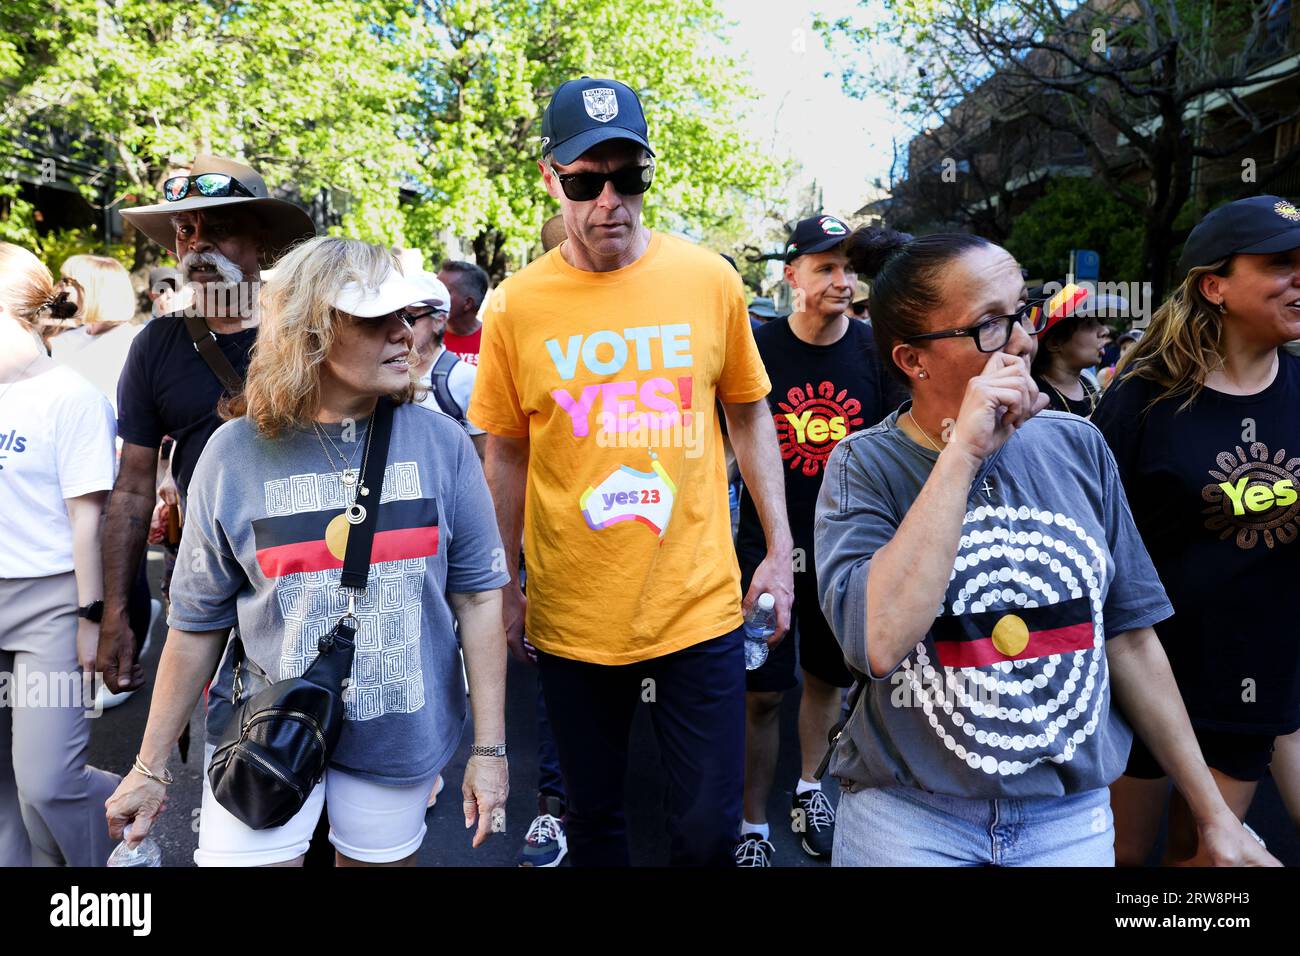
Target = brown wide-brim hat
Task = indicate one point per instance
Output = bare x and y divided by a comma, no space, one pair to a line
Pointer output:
284,222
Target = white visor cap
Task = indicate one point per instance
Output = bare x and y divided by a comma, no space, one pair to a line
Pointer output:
395,292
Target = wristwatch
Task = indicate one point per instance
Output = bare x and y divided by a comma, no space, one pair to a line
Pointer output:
92,612
480,751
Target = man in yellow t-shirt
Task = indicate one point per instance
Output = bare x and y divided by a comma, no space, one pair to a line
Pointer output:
600,371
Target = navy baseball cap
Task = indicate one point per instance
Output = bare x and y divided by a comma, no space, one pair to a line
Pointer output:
1256,226
585,112
815,234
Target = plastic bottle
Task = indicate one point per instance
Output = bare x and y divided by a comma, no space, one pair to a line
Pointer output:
760,624
146,853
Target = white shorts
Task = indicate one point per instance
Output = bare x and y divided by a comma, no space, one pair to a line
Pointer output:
369,822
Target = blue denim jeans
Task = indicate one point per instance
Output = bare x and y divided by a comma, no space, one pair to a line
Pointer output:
901,826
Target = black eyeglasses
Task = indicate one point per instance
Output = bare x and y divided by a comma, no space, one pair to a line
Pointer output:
993,334
584,187
211,185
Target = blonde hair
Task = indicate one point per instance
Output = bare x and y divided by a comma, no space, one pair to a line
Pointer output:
107,285
28,290
1181,346
298,328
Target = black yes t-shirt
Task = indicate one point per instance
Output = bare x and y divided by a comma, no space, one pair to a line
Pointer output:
820,393
1215,492
167,389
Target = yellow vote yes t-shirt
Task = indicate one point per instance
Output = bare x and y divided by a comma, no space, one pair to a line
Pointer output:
612,377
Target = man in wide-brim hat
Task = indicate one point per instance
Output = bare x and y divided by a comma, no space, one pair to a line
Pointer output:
215,182
224,228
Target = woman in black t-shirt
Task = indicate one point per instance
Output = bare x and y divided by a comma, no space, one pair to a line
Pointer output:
1066,347
1202,419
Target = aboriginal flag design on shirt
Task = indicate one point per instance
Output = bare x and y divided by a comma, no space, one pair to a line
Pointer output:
980,639
316,540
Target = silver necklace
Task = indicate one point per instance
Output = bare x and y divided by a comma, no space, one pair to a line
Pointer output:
348,473
923,432
355,512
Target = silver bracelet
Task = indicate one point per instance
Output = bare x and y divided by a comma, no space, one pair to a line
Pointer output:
479,750
165,778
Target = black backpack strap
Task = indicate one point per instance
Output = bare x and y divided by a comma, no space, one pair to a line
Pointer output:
205,343
356,558
438,376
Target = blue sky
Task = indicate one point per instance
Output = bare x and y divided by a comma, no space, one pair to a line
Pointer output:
841,141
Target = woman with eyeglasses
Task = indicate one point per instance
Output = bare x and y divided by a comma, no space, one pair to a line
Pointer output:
271,505
982,574
1204,421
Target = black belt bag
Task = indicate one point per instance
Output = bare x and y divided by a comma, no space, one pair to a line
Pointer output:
278,743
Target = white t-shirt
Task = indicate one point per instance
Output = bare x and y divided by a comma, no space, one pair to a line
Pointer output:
56,442
100,358
461,382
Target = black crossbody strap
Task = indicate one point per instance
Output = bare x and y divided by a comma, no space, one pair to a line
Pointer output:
836,732
356,557
205,343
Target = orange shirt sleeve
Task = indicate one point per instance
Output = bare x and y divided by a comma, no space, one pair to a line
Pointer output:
494,405
743,378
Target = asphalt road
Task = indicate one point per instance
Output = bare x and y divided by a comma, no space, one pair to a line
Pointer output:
116,737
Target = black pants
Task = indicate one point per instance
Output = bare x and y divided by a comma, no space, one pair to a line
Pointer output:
696,698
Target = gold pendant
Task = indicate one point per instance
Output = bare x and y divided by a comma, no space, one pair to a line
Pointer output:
336,536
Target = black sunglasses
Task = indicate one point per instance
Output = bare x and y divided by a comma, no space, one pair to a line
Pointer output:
211,185
584,187
410,315
993,334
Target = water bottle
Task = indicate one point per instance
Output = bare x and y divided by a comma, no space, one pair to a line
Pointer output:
146,853
759,626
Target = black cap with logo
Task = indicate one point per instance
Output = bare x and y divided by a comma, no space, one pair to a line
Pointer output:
1256,226
585,112
815,234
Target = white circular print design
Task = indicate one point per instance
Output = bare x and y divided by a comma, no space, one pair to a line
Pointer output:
1041,708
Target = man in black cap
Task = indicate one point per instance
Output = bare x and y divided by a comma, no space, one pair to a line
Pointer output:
223,227
826,383
600,365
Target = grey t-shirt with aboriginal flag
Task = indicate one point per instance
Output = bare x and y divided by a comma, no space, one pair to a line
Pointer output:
1008,694
258,550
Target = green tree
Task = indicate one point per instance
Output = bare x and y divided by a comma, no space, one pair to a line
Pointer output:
1076,213
1153,91
356,103
313,93
488,79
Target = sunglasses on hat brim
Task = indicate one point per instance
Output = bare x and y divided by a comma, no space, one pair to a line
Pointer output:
208,185
584,187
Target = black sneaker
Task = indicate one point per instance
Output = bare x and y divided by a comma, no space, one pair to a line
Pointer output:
753,850
812,818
